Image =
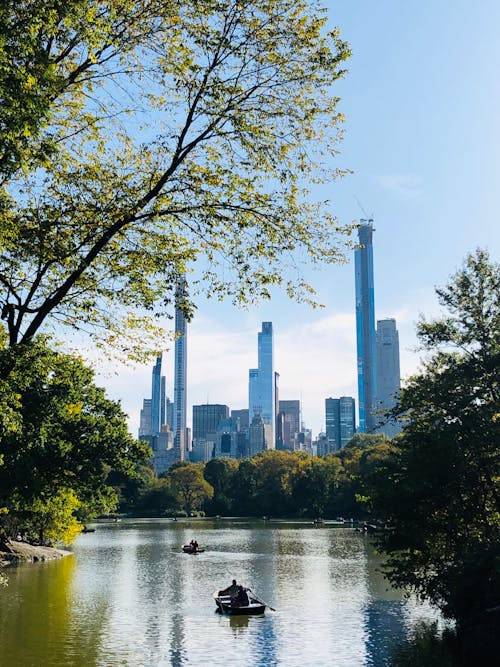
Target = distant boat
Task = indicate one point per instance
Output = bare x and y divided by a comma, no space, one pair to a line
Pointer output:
88,530
190,549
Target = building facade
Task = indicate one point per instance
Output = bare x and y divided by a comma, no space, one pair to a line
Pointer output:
340,418
289,420
156,396
206,418
365,329
388,373
180,373
262,383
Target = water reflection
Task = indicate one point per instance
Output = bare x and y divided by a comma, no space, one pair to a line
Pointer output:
129,596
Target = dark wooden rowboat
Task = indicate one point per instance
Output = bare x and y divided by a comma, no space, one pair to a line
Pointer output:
226,605
188,549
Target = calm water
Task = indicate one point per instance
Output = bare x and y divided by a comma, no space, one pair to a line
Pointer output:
128,596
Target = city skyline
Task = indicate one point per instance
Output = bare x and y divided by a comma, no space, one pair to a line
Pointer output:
411,114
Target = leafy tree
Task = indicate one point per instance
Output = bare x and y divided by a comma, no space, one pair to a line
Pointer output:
311,487
219,474
63,436
244,488
157,500
132,487
53,519
439,490
141,139
189,486
275,472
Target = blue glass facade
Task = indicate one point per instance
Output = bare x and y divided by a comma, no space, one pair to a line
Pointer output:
365,329
261,385
180,372
156,396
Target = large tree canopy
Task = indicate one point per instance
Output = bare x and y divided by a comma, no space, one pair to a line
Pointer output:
439,490
59,437
143,139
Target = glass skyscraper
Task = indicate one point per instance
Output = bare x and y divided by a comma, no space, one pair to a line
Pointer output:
156,398
291,422
261,385
365,329
207,417
180,372
340,417
388,373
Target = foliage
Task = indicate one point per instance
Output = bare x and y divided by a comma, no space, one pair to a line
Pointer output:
189,486
143,139
439,490
62,437
53,519
219,473
132,487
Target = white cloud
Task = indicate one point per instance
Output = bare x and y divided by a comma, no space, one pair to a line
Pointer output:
405,185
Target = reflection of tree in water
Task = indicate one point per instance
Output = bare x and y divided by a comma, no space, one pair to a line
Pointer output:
177,649
427,646
385,629
385,616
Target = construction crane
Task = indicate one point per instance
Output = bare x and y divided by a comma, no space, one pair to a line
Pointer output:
367,218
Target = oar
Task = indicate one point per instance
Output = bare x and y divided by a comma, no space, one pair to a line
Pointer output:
261,601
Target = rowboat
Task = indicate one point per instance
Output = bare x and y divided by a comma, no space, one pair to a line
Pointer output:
228,605
190,549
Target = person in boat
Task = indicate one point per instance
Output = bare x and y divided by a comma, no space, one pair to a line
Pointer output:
242,597
230,590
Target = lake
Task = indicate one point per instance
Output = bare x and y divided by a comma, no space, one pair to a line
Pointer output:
129,596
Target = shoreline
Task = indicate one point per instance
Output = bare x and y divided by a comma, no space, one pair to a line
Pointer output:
22,552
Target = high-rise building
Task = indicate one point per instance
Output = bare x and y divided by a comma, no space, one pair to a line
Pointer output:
332,421
260,435
365,329
180,372
240,419
340,417
388,373
145,418
347,412
206,419
156,396
290,421
262,383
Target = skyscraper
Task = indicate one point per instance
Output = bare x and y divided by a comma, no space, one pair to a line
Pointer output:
365,329
340,414
332,420
347,413
207,417
262,385
156,396
180,368
388,373
145,418
290,419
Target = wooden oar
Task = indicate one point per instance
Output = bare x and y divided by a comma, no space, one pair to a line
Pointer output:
261,601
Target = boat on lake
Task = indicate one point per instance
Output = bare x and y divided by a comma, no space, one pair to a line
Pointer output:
191,549
227,604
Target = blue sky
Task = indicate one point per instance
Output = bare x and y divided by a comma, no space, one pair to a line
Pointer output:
422,138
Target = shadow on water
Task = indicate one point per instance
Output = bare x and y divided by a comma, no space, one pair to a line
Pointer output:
427,646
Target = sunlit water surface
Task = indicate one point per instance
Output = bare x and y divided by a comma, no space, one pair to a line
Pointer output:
129,596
